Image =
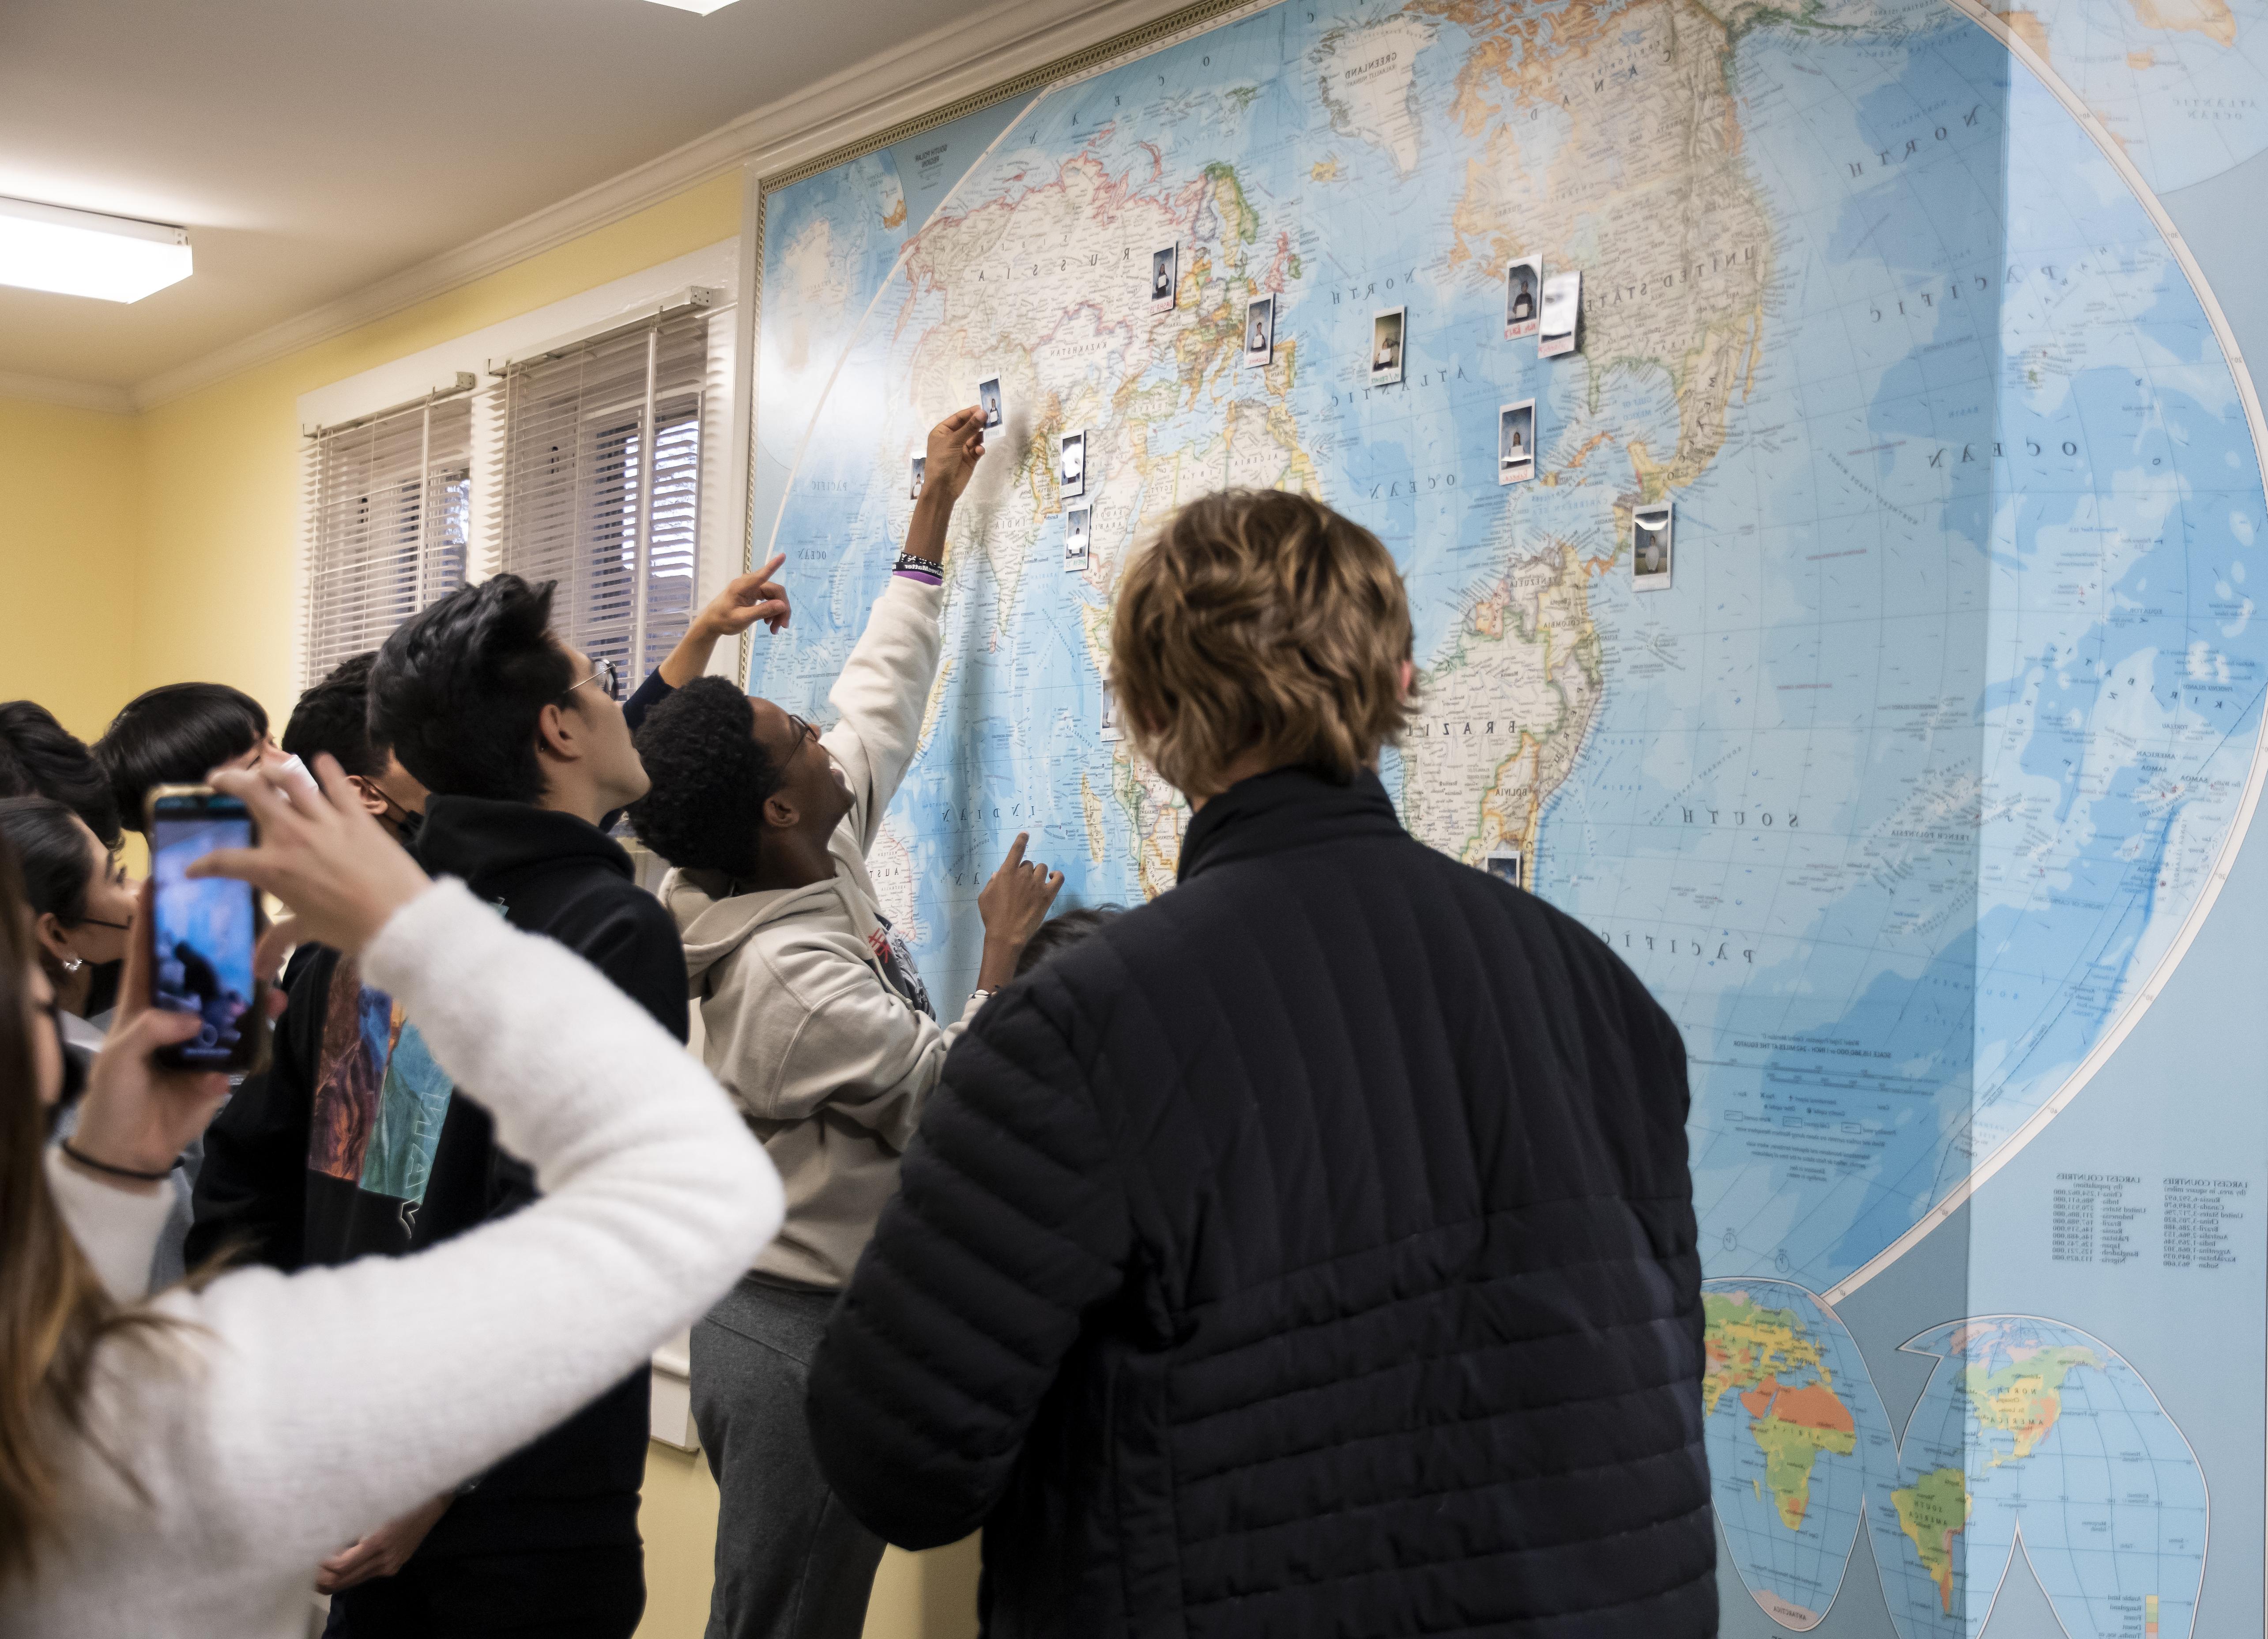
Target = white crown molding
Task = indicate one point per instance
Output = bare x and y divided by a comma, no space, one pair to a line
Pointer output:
963,59
40,389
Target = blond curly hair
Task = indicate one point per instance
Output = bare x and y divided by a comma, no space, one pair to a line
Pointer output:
1260,621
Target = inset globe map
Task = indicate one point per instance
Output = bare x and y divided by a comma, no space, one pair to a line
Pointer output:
1796,1437
2031,1423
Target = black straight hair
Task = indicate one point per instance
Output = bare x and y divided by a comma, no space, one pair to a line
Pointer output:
333,716
40,758
459,692
51,851
175,735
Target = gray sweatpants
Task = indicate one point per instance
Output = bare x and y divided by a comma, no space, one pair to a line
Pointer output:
791,1563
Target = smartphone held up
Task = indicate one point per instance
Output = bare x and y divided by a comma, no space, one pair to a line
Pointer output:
202,931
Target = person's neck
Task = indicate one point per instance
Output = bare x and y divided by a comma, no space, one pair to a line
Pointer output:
1243,766
584,805
794,862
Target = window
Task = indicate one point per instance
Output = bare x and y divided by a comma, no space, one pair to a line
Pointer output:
389,516
602,483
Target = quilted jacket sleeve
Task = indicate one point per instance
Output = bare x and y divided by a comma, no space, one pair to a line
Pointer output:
1010,1224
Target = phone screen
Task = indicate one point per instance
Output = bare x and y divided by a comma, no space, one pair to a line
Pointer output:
202,932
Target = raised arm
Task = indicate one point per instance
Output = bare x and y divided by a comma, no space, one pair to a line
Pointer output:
881,694
326,1400
744,601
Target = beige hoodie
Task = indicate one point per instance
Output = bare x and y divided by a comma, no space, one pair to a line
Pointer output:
828,1064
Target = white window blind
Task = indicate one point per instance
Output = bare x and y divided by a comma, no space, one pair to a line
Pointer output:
389,517
602,480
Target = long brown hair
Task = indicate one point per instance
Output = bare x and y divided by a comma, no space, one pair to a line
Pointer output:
54,1310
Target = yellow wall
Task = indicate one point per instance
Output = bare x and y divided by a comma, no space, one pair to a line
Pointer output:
917,1596
219,553
69,549
162,547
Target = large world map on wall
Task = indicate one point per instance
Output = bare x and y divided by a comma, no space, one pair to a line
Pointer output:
1901,794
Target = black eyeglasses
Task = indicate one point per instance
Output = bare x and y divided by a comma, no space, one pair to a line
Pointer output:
607,670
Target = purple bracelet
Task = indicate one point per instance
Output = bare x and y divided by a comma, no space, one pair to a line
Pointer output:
928,570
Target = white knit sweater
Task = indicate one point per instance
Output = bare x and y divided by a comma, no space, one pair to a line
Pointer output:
289,1415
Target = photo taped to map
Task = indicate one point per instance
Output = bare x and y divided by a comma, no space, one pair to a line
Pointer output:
1110,731
1073,467
1650,548
988,395
1260,330
1563,312
1523,285
1387,333
1515,442
1504,863
1077,523
921,465
1164,277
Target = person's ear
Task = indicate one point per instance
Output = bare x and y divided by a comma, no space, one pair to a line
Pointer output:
557,734
780,812
373,802
1408,677
55,939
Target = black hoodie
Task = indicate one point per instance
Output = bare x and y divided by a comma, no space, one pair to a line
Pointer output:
354,1143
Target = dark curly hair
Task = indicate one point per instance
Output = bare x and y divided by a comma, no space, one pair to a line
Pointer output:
459,692
711,777
1059,933
40,758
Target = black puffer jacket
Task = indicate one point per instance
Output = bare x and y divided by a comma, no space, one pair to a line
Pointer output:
1309,1253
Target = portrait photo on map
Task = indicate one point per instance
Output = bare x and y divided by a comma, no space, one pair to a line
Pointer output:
1164,272
1504,864
988,395
1076,523
1386,335
1109,715
1074,466
1650,547
1515,442
1562,313
1260,330
921,465
1523,282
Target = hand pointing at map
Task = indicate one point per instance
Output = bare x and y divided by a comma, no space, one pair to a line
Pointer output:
745,601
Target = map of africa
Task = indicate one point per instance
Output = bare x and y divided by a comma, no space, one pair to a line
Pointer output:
1902,796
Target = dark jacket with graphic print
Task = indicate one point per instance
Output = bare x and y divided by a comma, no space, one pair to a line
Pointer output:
353,1144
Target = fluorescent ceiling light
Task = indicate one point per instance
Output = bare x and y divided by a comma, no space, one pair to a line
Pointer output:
84,252
703,6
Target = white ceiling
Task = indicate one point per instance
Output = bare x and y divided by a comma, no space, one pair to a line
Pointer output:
314,147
